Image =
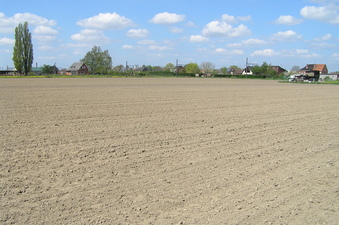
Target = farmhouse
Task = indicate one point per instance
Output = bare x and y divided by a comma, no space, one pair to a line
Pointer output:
77,68
314,70
247,70
279,69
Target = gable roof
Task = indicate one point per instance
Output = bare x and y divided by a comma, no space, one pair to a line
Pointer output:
319,67
278,68
75,66
314,67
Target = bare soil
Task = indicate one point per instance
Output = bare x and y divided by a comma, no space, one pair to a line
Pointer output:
168,151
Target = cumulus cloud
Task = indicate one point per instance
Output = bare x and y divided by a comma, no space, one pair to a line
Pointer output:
328,13
176,30
244,18
6,41
232,52
190,24
223,29
44,30
233,20
166,18
323,45
229,19
286,36
326,37
288,20
198,38
46,48
106,21
147,42
90,36
158,48
8,24
300,53
138,33
265,52
128,47
248,42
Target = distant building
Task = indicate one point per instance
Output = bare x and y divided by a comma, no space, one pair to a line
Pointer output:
247,70
9,71
36,70
234,71
77,68
314,70
279,69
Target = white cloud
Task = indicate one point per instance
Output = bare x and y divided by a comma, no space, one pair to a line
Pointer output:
190,24
138,33
248,42
106,21
159,48
8,24
237,52
265,52
44,30
92,36
299,53
326,37
335,55
166,18
46,48
220,50
233,20
44,38
288,20
198,38
147,42
223,29
286,36
176,30
6,41
323,45
128,47
229,19
225,51
44,34
328,13
244,18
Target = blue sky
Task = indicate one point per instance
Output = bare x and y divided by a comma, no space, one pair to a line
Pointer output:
157,32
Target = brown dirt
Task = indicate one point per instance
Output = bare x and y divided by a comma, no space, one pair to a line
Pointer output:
168,151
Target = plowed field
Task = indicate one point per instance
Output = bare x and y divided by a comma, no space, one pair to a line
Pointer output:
168,151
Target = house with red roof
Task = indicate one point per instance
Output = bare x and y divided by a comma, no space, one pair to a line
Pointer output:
314,70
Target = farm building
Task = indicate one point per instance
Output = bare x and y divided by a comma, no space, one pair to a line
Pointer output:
77,68
314,70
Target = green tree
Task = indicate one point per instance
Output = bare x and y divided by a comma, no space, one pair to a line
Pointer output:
257,70
235,67
192,68
47,69
118,68
157,68
223,70
169,67
100,62
23,49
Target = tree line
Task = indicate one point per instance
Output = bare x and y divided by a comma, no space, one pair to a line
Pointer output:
100,62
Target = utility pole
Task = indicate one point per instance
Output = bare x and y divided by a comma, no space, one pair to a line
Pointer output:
177,68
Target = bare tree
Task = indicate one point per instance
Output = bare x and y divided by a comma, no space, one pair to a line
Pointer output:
208,67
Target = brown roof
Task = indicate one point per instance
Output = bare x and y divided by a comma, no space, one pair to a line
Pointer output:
314,67
319,67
